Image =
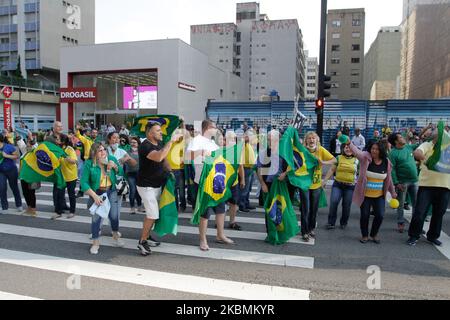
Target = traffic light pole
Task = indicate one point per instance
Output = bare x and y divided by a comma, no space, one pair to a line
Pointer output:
323,43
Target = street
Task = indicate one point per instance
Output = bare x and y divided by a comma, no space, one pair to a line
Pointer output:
45,259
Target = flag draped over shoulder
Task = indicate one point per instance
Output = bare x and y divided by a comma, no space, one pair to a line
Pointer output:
301,162
43,164
219,173
440,159
282,223
168,213
168,125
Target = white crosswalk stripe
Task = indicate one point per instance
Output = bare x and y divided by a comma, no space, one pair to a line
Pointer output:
12,296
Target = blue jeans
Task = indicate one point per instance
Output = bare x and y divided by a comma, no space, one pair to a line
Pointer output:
411,189
340,192
11,177
378,205
134,195
113,215
180,189
439,199
309,206
244,200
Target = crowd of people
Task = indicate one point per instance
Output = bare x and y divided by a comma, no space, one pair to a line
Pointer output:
363,173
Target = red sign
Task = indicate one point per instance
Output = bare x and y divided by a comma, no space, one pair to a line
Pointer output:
7,92
78,95
7,114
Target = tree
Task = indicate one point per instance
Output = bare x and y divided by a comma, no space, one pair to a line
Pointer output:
18,71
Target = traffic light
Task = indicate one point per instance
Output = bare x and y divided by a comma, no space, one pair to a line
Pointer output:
320,103
326,86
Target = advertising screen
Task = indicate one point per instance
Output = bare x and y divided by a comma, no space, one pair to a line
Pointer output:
143,97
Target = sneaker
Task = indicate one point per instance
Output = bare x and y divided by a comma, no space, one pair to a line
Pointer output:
251,208
245,210
30,212
133,211
343,226
305,238
152,242
94,249
119,243
436,242
312,234
412,241
330,227
20,209
141,209
70,216
56,216
144,248
406,207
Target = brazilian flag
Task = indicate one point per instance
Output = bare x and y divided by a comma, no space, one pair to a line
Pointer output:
282,223
440,159
300,161
43,164
219,173
168,213
168,125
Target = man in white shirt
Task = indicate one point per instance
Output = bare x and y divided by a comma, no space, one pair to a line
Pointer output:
199,148
358,140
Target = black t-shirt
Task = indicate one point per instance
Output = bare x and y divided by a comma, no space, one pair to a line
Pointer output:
151,174
381,168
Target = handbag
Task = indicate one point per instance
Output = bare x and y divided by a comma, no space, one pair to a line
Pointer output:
122,186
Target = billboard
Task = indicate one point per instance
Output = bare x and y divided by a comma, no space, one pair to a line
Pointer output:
142,97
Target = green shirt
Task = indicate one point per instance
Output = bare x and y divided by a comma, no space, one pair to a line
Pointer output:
404,168
92,175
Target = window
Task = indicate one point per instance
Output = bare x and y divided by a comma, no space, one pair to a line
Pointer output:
238,50
263,73
263,45
238,37
221,93
220,61
263,88
311,85
335,85
311,77
355,72
355,60
356,22
354,85
238,74
4,40
334,73
263,59
335,47
221,47
336,35
311,92
336,23
335,61
356,47
356,35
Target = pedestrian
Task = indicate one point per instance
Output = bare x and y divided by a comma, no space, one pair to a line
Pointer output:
9,174
152,176
175,159
373,184
124,143
335,144
124,130
132,175
346,129
249,162
404,174
99,177
69,170
29,190
434,192
346,170
358,140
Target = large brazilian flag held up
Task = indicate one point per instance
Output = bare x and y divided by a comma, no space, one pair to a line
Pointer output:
282,223
168,125
440,159
301,162
43,164
219,173
168,213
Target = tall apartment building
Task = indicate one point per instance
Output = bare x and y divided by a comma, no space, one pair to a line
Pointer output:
312,77
425,55
382,65
410,5
345,52
35,30
267,54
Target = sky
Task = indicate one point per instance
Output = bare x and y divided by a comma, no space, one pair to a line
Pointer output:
134,20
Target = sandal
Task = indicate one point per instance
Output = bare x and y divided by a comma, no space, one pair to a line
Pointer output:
204,248
364,241
235,226
220,241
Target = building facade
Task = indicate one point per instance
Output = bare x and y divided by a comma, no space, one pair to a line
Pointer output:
267,54
345,52
312,77
382,65
425,55
157,77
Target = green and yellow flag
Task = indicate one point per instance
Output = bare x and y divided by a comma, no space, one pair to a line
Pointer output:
301,162
43,164
168,213
168,125
282,223
440,159
219,173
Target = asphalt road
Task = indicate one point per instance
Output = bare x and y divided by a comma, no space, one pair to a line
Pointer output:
38,257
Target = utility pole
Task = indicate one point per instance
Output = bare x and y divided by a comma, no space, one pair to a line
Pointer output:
323,43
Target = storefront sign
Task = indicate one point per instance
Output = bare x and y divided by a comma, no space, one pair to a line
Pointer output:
7,92
188,87
78,95
7,114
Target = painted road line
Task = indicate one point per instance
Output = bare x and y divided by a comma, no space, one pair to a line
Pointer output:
444,238
227,218
12,296
50,194
248,235
168,248
155,279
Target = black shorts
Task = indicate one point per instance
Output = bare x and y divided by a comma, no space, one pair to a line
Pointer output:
235,195
220,209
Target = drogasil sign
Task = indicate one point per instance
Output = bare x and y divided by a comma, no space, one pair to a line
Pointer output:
68,95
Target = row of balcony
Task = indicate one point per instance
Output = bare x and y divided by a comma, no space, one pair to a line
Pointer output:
29,46
11,10
12,28
30,64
